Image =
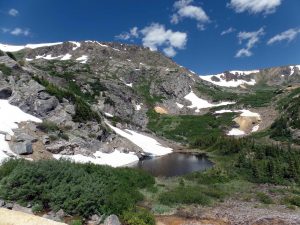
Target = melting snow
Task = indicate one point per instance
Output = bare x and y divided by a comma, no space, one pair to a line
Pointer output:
235,132
83,59
148,144
15,48
255,128
9,117
108,114
48,57
66,56
179,105
199,103
138,107
244,112
231,83
114,159
77,45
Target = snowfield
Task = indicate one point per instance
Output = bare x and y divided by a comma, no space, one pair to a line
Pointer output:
82,59
148,144
200,103
9,117
235,132
244,112
66,56
114,159
15,48
231,83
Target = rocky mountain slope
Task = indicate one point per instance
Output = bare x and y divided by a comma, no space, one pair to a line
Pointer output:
86,92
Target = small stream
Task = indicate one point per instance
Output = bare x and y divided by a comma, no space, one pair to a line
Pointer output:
174,164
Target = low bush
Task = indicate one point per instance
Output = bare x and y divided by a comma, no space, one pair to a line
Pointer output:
264,198
184,195
137,217
78,189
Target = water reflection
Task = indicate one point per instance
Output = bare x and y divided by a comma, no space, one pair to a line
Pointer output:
174,164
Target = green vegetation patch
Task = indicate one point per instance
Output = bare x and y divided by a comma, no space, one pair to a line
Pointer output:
78,189
83,111
5,70
188,128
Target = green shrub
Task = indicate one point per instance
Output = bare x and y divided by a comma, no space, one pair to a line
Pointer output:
48,126
137,217
11,55
264,198
78,189
293,200
184,195
5,70
76,222
37,208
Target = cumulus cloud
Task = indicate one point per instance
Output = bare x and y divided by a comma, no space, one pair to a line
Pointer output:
184,9
287,35
255,6
228,31
133,33
16,31
13,12
156,37
251,39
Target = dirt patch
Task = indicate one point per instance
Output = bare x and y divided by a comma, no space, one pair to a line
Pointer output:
175,220
247,123
11,217
160,110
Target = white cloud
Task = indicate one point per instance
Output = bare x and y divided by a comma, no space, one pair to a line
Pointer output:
19,31
156,36
287,35
255,6
170,51
133,33
228,31
13,12
252,38
184,9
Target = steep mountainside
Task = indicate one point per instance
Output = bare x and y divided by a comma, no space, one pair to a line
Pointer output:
85,92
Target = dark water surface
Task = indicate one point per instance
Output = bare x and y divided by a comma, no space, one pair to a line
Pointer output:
174,164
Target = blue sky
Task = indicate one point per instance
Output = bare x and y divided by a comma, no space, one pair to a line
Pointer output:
260,33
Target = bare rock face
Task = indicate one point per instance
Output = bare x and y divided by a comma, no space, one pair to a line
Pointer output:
112,220
22,148
5,92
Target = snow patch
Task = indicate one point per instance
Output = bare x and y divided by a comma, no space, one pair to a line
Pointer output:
138,107
255,128
82,59
47,57
235,132
179,105
129,84
114,159
231,83
15,48
200,103
9,117
108,114
148,144
77,45
66,57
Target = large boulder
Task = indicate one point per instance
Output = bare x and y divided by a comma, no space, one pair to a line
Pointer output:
5,92
22,148
112,220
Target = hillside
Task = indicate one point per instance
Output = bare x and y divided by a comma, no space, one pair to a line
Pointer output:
114,104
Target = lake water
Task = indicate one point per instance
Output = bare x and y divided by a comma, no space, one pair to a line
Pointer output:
174,164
